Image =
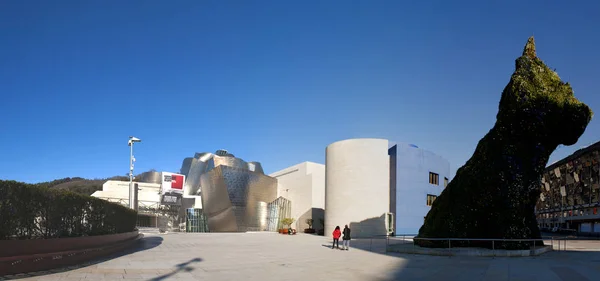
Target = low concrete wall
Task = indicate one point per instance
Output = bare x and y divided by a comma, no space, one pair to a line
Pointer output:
20,256
410,248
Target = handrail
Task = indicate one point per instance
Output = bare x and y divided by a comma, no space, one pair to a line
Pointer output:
414,237
481,239
144,206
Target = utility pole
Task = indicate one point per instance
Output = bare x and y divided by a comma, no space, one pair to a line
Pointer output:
132,190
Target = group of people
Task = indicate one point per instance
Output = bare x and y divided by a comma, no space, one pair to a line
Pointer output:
346,238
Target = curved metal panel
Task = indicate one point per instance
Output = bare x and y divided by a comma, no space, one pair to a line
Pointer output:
192,182
150,177
262,215
230,162
236,195
229,191
255,167
203,156
216,204
185,166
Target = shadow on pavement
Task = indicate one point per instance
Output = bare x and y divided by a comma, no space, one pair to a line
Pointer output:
329,246
580,261
142,244
182,267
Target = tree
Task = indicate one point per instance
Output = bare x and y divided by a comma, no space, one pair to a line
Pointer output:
288,222
310,223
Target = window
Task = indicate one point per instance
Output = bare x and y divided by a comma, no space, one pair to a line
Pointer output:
430,199
434,178
445,182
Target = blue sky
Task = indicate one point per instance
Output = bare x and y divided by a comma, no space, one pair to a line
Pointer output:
271,81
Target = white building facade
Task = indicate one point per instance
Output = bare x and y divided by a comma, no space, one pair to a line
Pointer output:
304,185
118,191
357,186
419,176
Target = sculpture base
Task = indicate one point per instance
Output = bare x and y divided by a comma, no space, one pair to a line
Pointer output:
410,248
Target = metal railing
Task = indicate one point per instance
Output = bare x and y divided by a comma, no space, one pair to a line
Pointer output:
558,240
365,243
493,241
147,207
556,243
142,205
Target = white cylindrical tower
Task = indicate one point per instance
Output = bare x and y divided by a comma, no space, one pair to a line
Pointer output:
357,186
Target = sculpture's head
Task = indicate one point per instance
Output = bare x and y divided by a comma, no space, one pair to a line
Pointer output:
537,105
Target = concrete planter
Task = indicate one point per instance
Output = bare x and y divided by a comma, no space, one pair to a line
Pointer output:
20,256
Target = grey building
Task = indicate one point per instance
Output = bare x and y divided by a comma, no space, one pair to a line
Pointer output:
570,188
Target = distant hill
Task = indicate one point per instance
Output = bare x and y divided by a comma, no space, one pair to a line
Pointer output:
80,185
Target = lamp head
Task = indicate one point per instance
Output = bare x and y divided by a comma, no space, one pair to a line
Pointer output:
132,140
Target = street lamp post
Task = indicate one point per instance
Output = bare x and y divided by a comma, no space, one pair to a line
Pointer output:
131,141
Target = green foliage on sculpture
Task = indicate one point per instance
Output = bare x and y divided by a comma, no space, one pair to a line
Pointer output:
494,194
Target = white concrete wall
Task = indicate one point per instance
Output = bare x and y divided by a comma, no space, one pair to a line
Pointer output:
120,190
412,185
357,186
318,184
197,201
303,184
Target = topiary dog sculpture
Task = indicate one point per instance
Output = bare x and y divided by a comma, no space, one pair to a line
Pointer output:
494,194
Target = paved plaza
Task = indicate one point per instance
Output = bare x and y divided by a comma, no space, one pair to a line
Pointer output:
271,256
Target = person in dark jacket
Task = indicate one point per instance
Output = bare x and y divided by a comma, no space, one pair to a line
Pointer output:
336,237
347,238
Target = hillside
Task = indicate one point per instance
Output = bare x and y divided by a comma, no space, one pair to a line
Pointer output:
83,186
80,185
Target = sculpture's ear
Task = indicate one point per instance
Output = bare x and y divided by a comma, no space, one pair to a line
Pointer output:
529,50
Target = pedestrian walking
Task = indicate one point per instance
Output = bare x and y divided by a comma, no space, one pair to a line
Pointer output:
346,238
336,237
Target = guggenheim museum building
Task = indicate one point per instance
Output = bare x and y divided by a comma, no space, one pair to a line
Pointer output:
375,186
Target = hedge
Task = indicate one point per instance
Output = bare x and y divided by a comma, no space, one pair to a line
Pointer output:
30,212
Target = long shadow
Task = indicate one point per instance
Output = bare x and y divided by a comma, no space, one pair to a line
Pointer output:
313,213
142,244
329,247
578,262
568,265
182,267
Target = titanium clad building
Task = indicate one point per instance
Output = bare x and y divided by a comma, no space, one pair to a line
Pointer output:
235,194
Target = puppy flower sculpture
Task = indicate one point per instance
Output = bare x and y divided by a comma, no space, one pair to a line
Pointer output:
494,194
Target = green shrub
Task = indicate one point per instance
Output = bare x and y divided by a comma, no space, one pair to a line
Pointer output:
30,211
288,221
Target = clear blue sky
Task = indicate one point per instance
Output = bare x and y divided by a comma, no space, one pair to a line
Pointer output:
273,81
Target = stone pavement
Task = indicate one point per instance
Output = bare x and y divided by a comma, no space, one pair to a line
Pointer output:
271,256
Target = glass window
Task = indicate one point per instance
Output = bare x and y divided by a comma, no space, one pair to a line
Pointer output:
434,178
430,199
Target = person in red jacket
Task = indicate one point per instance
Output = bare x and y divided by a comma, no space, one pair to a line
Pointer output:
336,237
